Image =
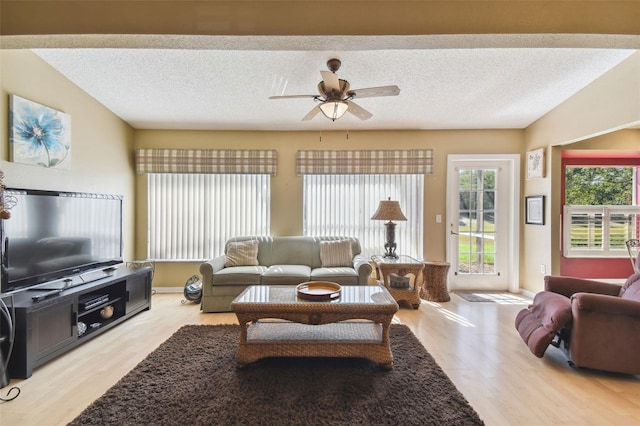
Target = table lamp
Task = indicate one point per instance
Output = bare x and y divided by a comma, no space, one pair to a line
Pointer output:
389,210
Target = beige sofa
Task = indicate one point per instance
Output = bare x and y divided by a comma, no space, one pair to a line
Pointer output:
280,260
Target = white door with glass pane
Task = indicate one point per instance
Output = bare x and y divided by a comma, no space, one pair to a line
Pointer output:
482,219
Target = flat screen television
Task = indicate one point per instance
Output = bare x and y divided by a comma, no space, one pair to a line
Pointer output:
54,235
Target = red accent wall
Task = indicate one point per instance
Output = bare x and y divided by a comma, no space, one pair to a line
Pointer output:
595,267
598,267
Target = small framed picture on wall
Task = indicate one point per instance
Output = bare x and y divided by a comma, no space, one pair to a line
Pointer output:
535,163
534,210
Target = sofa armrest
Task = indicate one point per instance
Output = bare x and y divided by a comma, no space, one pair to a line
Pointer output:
210,267
363,267
567,286
604,304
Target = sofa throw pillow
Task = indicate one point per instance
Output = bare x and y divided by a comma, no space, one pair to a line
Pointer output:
242,253
336,253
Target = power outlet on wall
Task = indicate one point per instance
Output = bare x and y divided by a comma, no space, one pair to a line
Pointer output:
543,269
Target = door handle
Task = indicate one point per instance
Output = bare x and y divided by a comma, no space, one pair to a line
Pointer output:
451,230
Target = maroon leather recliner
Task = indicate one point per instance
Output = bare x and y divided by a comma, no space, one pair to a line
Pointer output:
596,324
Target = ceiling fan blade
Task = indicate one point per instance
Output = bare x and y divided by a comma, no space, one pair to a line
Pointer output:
372,92
331,80
293,96
312,113
358,111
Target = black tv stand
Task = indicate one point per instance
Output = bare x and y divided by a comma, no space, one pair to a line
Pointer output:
42,296
52,322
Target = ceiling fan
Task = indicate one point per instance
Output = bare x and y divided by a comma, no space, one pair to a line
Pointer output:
335,97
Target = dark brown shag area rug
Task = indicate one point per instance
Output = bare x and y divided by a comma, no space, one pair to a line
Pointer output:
191,379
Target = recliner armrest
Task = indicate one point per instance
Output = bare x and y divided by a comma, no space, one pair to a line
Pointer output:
567,286
604,304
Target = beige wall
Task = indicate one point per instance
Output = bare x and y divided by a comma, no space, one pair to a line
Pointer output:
610,103
101,153
303,17
102,156
286,187
586,23
622,140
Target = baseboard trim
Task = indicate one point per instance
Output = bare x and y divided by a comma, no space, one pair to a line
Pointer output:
530,294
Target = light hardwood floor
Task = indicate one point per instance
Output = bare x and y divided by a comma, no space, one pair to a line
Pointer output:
475,343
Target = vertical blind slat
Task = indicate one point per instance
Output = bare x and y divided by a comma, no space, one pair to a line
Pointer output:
191,216
344,204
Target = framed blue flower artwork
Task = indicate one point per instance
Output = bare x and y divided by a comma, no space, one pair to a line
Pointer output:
39,135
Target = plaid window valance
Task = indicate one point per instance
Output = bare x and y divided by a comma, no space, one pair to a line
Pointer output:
365,162
212,161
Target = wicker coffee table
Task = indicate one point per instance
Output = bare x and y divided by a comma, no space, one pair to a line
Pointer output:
274,322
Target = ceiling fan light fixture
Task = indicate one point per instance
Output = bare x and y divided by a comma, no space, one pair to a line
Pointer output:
334,109
336,98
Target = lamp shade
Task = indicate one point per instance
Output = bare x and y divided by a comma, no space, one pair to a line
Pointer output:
388,210
334,109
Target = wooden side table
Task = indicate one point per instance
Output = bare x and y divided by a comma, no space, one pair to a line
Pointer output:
434,285
402,266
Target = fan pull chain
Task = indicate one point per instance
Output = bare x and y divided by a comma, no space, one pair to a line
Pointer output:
347,135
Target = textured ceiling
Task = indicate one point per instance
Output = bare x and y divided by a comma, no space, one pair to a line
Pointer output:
228,88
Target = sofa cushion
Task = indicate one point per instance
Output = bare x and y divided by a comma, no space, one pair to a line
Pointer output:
292,250
340,275
239,275
242,253
336,253
286,274
631,288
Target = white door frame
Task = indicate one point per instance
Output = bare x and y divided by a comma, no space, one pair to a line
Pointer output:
511,163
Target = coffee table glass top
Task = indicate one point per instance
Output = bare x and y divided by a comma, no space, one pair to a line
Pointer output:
286,294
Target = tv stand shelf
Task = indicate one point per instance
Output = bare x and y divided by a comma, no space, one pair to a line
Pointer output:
49,327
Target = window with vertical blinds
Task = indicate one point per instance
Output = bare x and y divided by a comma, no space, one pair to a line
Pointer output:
190,216
344,204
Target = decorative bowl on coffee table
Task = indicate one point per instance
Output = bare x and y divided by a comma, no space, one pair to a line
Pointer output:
318,290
